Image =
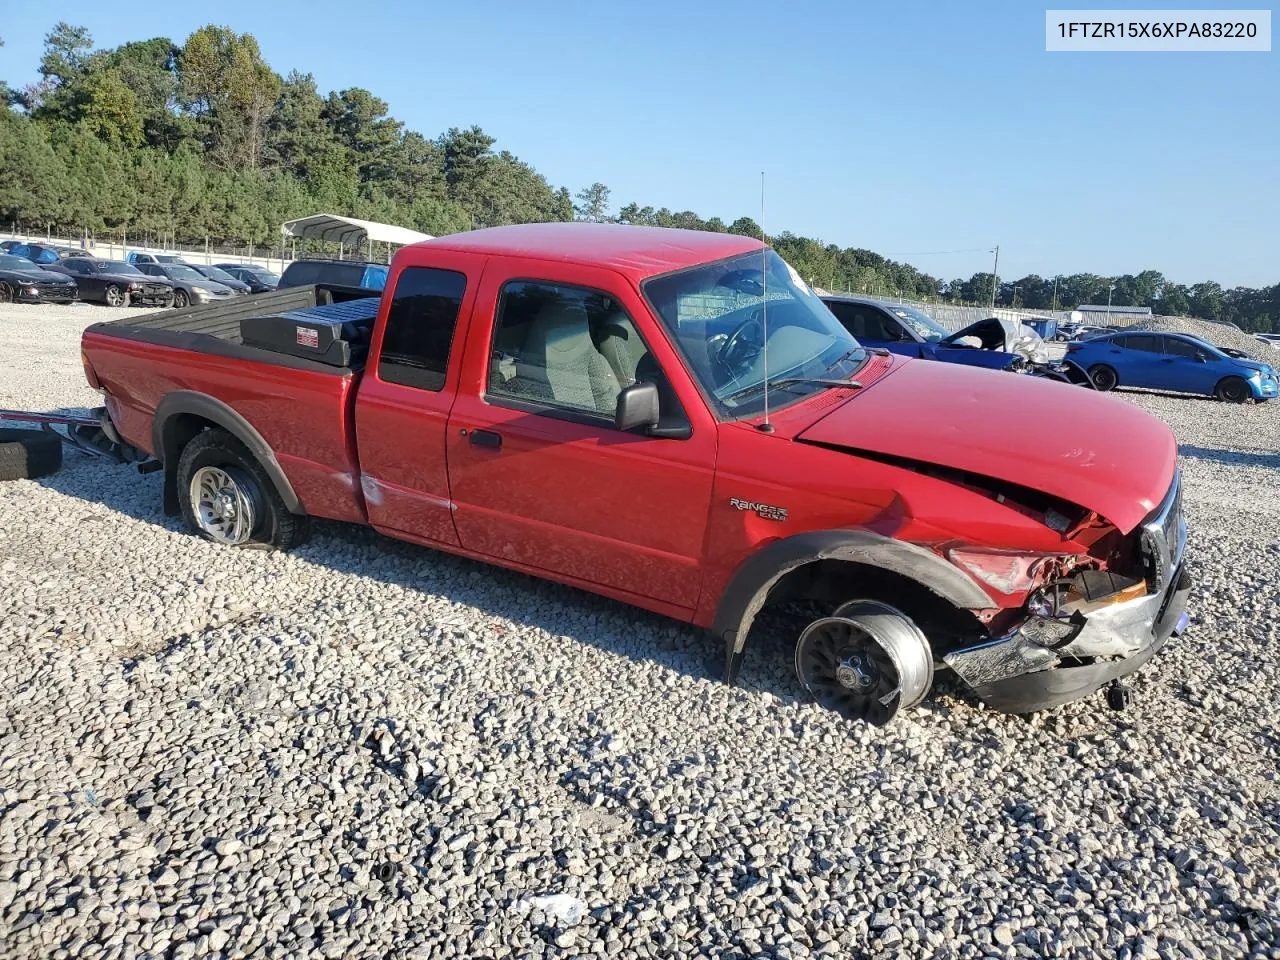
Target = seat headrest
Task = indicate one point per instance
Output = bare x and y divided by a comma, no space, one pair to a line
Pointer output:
561,326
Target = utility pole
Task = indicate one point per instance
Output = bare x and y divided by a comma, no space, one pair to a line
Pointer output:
995,272
1110,290
1055,294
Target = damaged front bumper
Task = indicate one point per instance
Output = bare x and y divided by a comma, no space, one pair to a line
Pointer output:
1026,669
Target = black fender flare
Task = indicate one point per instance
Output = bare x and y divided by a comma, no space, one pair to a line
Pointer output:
759,573
164,441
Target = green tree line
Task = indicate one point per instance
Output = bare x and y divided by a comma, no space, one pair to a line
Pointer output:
204,139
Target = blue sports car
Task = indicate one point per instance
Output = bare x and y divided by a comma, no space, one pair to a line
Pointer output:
1173,361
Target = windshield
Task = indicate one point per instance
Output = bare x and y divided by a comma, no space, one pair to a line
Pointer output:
14,263
920,322
717,315
116,266
213,273
177,272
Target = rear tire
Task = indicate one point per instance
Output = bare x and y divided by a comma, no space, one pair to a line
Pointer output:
180,299
1104,378
227,498
1232,390
28,454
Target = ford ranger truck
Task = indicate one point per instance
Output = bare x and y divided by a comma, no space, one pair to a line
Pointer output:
673,419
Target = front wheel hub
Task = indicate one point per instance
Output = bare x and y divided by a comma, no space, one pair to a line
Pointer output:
868,661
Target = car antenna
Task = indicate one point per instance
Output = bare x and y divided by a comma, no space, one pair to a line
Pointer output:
766,426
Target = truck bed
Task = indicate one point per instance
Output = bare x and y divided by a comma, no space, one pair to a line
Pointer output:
221,328
301,406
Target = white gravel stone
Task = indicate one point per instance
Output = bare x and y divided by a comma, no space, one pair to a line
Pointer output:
189,765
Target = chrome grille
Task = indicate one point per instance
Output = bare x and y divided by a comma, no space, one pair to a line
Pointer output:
1164,537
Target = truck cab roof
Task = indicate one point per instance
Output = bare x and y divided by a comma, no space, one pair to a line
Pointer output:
636,252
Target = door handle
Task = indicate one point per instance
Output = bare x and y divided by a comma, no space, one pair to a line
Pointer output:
485,438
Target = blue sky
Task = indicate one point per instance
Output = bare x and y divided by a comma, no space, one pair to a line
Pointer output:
907,128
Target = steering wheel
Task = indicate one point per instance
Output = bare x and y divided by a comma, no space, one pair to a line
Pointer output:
737,350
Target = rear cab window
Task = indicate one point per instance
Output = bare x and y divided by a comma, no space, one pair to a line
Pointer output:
421,321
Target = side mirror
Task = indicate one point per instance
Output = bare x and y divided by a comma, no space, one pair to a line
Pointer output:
637,408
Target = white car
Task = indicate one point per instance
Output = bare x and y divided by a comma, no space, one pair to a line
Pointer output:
1270,339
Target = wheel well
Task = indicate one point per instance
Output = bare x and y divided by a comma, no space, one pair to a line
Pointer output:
827,583
179,430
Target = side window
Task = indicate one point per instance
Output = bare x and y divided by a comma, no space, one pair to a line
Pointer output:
563,346
864,322
1181,348
1145,342
420,325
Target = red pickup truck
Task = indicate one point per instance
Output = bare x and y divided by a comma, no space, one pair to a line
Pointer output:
674,419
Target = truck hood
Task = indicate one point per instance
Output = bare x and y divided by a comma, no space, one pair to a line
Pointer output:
1083,447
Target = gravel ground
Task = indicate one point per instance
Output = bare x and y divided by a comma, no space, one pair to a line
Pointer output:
365,749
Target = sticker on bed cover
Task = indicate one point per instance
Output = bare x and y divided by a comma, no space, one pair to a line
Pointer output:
308,337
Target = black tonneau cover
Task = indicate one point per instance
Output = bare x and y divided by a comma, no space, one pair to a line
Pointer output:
220,328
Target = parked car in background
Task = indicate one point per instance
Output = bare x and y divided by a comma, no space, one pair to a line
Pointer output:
1268,339
259,279
22,281
115,283
43,253
221,276
1169,361
992,343
189,286
341,273
7,245
136,257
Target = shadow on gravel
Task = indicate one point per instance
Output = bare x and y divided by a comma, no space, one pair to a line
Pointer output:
1267,459
497,593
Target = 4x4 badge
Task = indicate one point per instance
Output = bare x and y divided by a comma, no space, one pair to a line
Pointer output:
766,510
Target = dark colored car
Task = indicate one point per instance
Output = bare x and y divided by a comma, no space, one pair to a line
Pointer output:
21,281
340,273
259,279
992,343
218,275
1167,361
115,283
189,285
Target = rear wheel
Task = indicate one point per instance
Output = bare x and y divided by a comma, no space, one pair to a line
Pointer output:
180,298
116,297
868,661
227,497
1103,377
1232,390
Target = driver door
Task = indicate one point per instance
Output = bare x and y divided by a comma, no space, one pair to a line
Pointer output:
539,476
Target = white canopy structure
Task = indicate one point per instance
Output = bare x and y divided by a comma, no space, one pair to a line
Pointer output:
350,232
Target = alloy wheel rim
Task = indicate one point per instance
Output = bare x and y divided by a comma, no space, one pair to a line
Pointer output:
113,296
224,504
846,670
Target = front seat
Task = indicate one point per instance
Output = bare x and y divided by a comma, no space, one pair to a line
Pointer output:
621,346
560,359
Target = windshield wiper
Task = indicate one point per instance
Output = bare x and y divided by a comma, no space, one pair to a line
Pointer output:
791,381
